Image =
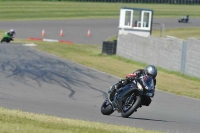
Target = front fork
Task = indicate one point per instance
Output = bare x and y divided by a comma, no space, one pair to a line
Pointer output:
113,103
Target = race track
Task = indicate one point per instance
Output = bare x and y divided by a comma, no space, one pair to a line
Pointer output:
33,81
76,30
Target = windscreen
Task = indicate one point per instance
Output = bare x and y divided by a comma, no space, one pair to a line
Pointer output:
147,82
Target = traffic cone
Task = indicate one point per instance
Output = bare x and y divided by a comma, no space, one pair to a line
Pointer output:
61,32
88,34
43,34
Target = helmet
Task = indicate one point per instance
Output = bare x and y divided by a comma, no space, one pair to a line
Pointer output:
12,31
151,71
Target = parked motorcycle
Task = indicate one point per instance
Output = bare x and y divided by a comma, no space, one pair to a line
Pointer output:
129,98
7,38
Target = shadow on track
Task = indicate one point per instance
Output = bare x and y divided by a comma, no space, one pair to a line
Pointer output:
145,119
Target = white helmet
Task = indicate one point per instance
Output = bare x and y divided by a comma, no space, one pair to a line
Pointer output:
12,31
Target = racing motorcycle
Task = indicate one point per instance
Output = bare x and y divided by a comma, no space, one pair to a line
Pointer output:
130,97
184,19
7,38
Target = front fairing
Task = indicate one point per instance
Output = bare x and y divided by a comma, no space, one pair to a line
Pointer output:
148,84
126,89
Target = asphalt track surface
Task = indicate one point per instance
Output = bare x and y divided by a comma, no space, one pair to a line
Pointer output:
34,81
76,30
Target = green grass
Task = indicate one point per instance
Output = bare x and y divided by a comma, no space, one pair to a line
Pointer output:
183,33
15,121
28,10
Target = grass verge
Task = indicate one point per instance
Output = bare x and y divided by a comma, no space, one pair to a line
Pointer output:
35,10
183,33
15,121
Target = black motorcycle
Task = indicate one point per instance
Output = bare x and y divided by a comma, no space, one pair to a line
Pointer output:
184,19
129,98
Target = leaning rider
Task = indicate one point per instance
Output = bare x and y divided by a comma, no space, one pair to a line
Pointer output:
9,33
150,70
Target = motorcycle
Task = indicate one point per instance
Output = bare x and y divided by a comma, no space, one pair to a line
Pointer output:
130,97
184,19
7,38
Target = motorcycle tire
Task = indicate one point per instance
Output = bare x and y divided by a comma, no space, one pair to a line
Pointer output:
106,108
126,113
6,40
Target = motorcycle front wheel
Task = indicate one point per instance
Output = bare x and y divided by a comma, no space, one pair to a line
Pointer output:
128,109
106,108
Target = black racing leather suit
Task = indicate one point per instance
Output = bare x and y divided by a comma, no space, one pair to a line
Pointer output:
128,79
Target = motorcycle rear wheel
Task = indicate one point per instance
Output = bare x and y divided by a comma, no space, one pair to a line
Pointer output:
106,108
6,40
128,110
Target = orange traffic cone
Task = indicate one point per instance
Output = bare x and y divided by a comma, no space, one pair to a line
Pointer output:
43,34
61,32
88,34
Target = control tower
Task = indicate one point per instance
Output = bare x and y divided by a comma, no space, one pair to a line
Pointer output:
135,21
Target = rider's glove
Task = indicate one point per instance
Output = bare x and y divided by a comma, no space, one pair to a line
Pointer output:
112,89
131,75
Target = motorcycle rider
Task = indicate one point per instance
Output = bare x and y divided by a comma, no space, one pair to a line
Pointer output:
150,70
184,19
10,33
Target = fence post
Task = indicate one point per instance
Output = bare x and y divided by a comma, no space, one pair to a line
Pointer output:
183,56
163,29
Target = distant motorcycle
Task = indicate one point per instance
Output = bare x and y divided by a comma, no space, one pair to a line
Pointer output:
129,98
7,38
184,19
